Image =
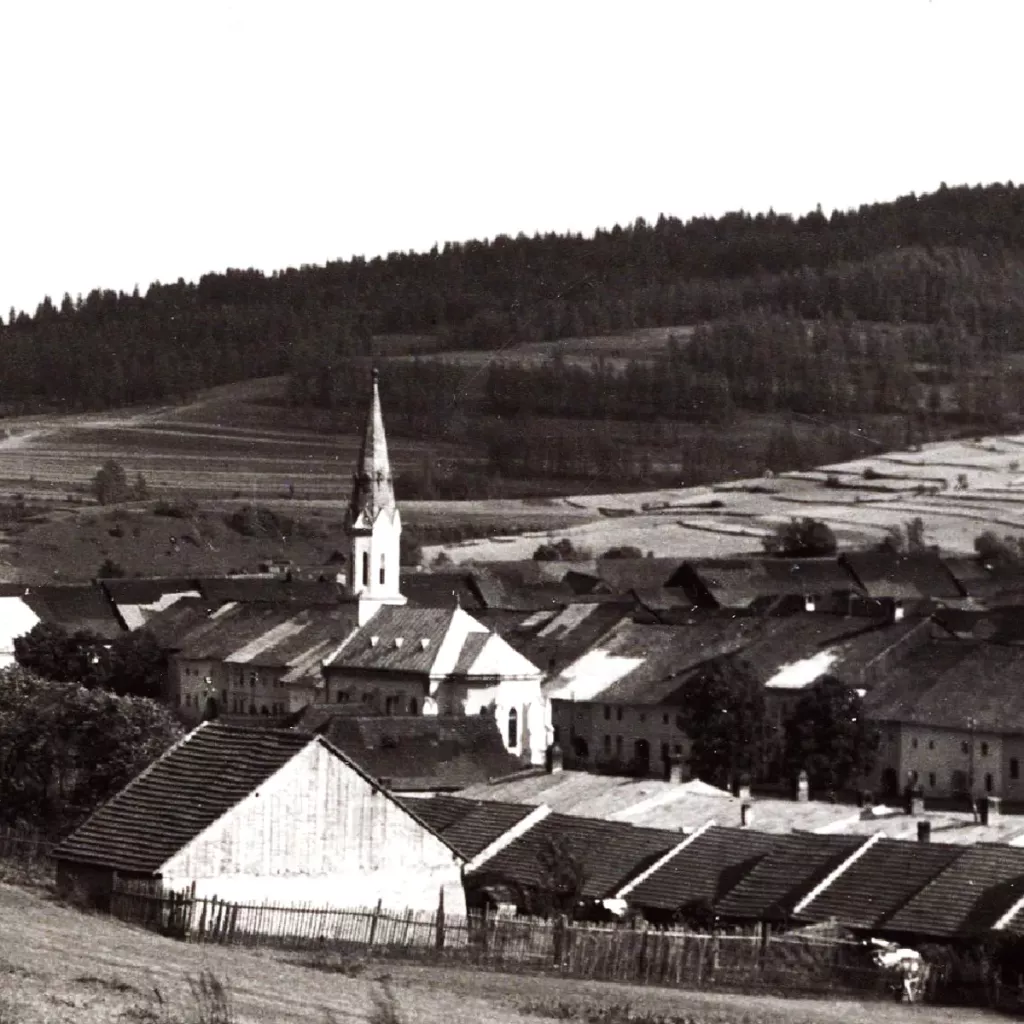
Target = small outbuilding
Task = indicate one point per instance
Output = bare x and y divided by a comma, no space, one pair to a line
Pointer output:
251,815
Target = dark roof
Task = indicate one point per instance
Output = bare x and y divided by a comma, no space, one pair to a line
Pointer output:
994,583
469,826
393,640
182,793
270,590
527,586
440,590
609,852
790,869
944,682
417,752
913,576
968,897
707,868
230,628
626,574
1004,625
173,623
147,591
885,877
76,607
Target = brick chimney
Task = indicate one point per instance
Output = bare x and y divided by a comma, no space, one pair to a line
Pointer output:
913,801
554,759
746,814
810,602
924,831
803,787
898,611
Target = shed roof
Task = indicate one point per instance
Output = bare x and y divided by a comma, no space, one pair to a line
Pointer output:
469,826
76,607
704,870
967,897
878,883
912,576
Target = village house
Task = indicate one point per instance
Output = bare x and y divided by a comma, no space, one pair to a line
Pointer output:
251,815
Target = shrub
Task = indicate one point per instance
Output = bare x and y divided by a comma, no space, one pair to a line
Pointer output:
179,508
623,551
110,570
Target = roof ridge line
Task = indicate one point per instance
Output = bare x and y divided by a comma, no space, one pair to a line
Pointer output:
664,859
839,870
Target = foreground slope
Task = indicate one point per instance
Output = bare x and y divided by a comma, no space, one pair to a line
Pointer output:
59,965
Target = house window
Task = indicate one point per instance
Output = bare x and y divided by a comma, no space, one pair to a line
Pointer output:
963,748
254,678
366,568
367,697
984,750
988,782
678,748
513,728
664,719
913,743
931,744
914,777
931,780
608,746
680,723
390,705
414,707
618,746
382,570
664,751
607,713
1014,768
224,697
643,718
618,714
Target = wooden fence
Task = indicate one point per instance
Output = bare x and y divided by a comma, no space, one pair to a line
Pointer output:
602,952
24,854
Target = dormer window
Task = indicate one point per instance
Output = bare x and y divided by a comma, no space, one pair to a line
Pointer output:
399,641
374,640
424,643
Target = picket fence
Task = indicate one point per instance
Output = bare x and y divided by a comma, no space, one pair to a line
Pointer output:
639,955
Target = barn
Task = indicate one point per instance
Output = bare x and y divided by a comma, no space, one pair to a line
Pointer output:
249,815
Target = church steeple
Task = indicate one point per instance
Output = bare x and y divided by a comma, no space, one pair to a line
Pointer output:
373,524
373,489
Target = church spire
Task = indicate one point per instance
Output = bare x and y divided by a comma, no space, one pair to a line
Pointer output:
372,486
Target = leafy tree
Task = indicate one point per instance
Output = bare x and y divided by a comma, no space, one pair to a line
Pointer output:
906,539
109,570
561,550
624,551
110,484
991,548
828,736
723,713
65,749
561,877
801,538
410,549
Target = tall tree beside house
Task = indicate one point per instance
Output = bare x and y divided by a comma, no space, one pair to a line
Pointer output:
110,484
562,877
828,736
65,749
131,665
723,711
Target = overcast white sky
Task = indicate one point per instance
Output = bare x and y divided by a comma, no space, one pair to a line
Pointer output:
148,140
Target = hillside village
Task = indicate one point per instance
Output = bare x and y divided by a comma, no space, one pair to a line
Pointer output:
426,739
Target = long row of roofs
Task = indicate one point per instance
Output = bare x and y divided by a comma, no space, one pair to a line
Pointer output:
664,585
871,883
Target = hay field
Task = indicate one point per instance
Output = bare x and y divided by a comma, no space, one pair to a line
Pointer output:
58,966
958,488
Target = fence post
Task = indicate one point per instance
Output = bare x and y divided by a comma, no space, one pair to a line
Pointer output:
439,932
374,920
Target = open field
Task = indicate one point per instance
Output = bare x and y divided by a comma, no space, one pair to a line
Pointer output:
959,489
57,965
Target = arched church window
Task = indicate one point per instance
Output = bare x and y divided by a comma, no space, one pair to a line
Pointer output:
513,728
382,564
366,568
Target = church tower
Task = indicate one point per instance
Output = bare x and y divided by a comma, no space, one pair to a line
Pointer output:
373,524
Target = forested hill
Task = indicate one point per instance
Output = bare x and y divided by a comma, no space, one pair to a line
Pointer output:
952,261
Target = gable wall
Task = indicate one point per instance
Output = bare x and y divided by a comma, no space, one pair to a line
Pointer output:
318,832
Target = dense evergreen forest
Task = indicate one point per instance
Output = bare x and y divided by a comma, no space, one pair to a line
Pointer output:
912,311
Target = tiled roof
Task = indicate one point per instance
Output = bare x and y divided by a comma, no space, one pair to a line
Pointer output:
981,681
956,827
172,624
887,574
884,878
417,752
993,583
230,628
146,591
703,871
182,793
787,872
968,897
469,826
440,590
610,853
393,640
738,583
76,607
270,590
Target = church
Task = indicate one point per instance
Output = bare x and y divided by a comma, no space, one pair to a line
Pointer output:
371,652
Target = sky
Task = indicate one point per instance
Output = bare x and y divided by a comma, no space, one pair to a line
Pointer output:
151,141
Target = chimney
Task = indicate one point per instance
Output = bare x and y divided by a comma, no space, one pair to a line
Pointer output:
743,788
897,611
913,801
865,798
554,759
924,831
675,769
810,602
746,814
802,787
988,807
